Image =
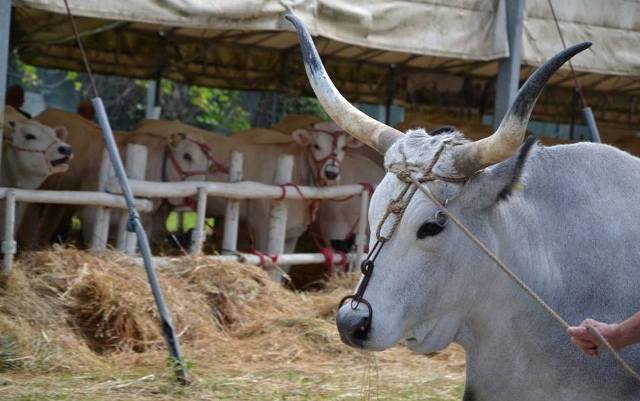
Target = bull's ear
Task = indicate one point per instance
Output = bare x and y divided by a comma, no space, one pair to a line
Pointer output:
301,136
175,138
61,133
496,183
9,129
353,143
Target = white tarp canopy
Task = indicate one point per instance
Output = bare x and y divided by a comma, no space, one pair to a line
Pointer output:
462,29
444,52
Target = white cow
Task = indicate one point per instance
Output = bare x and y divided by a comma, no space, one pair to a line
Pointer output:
31,152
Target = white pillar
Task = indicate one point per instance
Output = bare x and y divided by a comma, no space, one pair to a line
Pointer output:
135,167
5,29
232,215
278,212
9,244
102,215
198,234
361,235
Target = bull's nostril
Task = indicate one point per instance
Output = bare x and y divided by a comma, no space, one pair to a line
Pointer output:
64,150
353,325
332,175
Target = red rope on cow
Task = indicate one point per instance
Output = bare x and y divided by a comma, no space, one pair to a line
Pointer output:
264,257
283,188
328,258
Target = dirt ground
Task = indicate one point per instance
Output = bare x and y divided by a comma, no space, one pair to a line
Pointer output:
74,326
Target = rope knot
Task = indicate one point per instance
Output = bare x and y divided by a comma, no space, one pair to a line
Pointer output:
396,206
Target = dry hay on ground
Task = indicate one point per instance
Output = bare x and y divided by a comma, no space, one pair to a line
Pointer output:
69,312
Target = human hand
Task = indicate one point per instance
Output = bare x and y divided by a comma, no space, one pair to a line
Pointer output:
581,336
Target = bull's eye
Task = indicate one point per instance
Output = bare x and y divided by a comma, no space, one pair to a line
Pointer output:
29,137
187,157
316,146
429,229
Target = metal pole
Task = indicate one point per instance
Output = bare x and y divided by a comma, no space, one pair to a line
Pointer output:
594,135
391,89
509,68
153,93
5,29
135,225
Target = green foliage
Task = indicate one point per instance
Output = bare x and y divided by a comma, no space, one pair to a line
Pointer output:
304,105
219,109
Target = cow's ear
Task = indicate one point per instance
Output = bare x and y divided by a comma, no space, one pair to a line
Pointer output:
9,129
353,143
301,136
175,138
498,182
61,133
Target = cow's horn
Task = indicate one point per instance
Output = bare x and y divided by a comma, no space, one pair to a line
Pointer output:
505,141
364,128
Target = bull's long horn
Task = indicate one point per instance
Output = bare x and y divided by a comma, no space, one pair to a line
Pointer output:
506,140
364,128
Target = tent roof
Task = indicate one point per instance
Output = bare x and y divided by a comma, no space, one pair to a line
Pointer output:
245,44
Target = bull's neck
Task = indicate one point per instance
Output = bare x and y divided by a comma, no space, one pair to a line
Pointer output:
503,322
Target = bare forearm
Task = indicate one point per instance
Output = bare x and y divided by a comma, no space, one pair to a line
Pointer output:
630,330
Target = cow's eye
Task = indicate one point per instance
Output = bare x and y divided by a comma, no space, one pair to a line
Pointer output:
316,146
431,228
29,137
187,157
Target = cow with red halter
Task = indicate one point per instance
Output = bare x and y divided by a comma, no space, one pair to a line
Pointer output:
553,215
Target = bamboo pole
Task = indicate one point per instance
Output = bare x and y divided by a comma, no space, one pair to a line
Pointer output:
135,166
82,198
236,190
198,234
232,215
102,215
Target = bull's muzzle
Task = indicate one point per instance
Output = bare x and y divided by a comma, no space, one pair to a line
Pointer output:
353,324
331,172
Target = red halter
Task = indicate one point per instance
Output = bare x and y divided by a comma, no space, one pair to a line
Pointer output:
190,173
333,155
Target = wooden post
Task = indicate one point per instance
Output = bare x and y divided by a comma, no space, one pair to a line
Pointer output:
102,216
135,166
198,234
279,208
232,215
361,235
9,244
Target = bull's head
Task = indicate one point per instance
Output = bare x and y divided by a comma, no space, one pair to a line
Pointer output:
326,144
35,150
189,160
419,289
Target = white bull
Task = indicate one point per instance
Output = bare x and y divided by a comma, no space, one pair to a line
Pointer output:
31,152
170,158
563,218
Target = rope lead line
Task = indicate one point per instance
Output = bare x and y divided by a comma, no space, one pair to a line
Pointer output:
592,329
134,223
